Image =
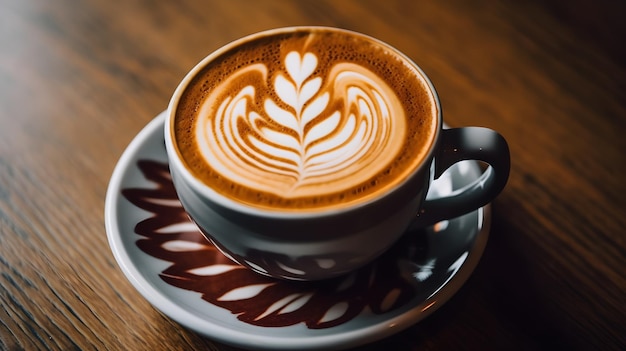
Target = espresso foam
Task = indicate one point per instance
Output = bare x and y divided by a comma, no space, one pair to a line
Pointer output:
305,121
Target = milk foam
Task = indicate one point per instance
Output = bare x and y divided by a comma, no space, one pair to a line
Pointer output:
314,135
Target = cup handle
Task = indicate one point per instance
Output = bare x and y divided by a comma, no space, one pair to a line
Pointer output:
467,143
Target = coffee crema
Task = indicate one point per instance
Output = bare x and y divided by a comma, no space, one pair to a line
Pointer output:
305,120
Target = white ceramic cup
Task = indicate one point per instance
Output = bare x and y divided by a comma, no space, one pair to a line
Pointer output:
301,245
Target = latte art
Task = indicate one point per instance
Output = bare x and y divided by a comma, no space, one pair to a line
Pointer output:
306,119
317,135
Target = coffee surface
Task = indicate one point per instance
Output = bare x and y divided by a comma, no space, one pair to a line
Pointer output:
305,120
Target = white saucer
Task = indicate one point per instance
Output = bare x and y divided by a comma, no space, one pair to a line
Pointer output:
182,275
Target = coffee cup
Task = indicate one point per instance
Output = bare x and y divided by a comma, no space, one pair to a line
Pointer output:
304,153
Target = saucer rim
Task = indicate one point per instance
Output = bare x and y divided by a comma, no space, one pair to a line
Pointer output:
229,334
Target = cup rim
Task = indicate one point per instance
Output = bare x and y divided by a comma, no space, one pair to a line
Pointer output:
175,158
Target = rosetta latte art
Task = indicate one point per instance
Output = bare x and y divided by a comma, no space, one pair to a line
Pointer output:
314,135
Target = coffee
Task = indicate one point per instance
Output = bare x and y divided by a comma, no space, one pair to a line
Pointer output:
305,120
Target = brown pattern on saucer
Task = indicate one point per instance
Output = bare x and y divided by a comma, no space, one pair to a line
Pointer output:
196,265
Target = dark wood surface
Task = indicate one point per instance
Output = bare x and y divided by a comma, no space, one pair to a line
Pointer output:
78,80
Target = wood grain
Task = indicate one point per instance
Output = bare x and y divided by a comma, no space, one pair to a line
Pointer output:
79,79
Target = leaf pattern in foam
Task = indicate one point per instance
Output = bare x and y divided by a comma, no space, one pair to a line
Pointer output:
281,116
286,91
300,68
316,108
309,89
322,129
319,128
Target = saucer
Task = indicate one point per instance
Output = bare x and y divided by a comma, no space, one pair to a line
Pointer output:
169,262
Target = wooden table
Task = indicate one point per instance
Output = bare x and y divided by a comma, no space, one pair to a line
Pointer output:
79,79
